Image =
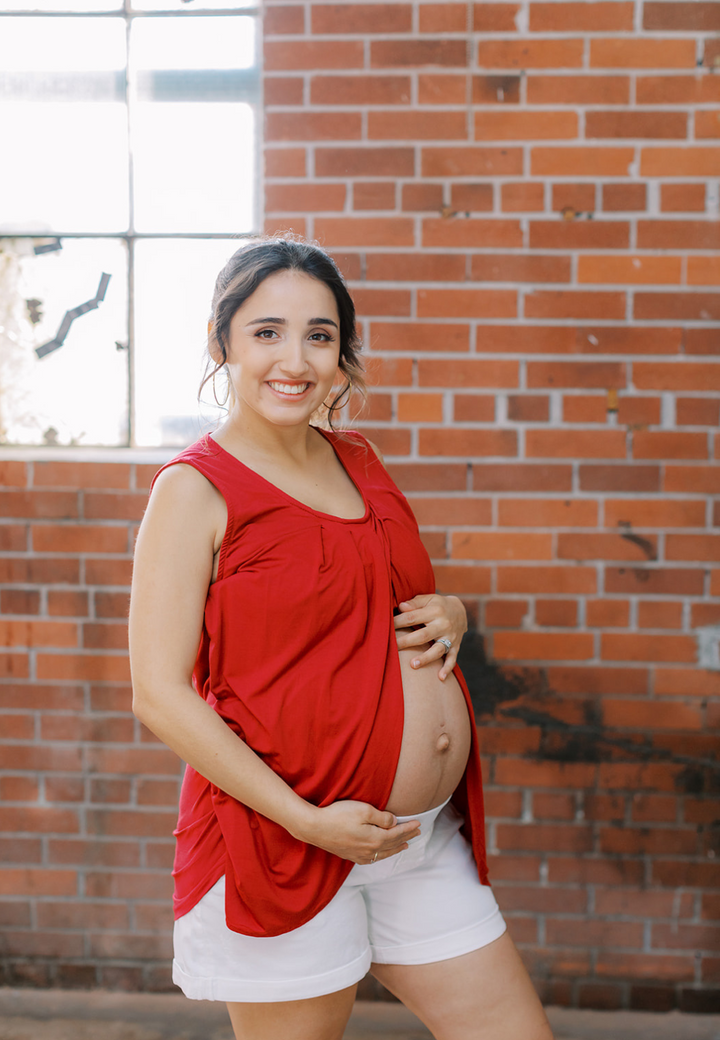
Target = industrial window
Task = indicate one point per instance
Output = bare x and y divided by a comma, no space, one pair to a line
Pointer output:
130,166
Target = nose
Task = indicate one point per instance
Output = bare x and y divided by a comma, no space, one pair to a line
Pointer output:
293,361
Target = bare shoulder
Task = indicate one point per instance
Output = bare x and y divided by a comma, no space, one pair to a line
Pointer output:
183,498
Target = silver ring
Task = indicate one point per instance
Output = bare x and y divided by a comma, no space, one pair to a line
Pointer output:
446,643
374,858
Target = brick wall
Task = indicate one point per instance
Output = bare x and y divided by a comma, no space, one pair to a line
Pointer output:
524,197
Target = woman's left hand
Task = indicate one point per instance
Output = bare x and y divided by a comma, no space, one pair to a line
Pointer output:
438,617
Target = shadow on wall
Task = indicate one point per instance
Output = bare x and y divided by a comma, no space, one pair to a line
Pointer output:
571,728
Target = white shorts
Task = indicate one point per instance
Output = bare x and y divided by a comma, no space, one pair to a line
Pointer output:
422,905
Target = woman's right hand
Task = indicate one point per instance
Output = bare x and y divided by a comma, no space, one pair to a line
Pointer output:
357,831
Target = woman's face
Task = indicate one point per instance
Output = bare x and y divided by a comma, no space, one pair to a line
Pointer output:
284,348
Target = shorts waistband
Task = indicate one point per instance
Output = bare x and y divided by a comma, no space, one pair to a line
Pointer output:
424,817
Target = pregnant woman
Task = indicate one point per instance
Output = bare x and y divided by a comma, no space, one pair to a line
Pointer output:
287,643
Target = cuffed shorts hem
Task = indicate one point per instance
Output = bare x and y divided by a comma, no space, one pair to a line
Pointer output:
270,992
443,948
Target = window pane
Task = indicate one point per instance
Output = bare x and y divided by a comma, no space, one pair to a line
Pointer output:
68,44
77,393
181,5
173,290
71,172
193,43
61,5
194,167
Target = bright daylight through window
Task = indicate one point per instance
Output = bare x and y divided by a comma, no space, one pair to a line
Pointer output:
130,164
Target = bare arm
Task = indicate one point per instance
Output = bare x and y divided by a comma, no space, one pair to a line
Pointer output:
178,538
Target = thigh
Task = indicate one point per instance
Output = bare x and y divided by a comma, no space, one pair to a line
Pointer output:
483,995
319,1018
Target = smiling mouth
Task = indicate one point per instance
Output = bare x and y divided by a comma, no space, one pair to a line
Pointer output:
289,389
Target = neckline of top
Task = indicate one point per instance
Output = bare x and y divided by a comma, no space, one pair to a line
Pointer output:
296,501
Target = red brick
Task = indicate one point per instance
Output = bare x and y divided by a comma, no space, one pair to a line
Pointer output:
81,474
664,90
616,124
560,579
682,198
654,808
549,806
85,538
496,545
628,340
503,803
20,601
463,580
594,681
649,513
282,20
114,506
365,231
513,267
550,837
679,376
639,411
390,302
677,306
530,54
472,198
619,197
543,646
472,232
445,88
283,90
471,161
692,547
467,442
313,126
364,162
389,441
635,902
678,234
575,374
521,477
12,474
348,18
696,17
67,603
83,666
633,270
668,444
14,666
650,715
573,444
578,90
462,373
645,966
358,89
37,633
420,407
587,161
654,581
703,270
505,613
415,336
435,544
416,53
574,196
584,408
525,126
443,17
497,17
553,512
528,408
659,614
467,303
576,546
372,195
291,55
525,197
474,408
619,478
422,197
621,646
680,162
279,162
108,572
56,505
571,17
579,234
607,613
414,267
583,932
299,198
13,538
642,53
416,126
556,613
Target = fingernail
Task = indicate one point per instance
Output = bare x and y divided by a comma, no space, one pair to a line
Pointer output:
416,663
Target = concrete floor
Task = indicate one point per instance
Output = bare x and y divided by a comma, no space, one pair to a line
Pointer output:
27,1014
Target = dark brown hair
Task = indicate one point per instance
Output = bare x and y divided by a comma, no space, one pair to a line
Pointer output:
250,265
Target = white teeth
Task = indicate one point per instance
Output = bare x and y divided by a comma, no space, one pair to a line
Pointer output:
290,388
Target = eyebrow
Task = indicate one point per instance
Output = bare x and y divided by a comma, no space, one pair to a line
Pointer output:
283,321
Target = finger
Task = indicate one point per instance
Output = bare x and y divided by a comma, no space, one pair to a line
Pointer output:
382,818
406,640
416,601
448,665
436,651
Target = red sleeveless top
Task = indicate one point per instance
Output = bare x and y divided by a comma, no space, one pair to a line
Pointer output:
298,656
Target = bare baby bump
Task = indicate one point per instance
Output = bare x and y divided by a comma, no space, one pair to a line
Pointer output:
436,738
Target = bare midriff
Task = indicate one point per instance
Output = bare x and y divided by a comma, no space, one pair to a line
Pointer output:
436,738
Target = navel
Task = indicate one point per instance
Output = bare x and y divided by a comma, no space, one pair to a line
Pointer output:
443,742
